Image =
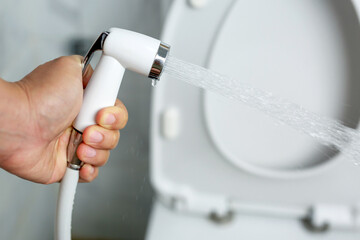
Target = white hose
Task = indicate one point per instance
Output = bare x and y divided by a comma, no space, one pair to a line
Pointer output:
65,204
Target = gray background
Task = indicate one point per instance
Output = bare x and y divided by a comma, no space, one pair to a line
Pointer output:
117,204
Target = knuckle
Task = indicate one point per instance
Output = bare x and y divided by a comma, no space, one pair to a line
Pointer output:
70,65
64,60
102,161
125,119
113,139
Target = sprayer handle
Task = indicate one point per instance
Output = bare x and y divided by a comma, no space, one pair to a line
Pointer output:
100,92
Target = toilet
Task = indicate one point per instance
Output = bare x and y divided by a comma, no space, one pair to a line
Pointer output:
222,170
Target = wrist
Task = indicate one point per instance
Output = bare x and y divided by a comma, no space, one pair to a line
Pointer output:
13,102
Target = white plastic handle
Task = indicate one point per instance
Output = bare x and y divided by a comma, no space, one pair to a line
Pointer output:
101,91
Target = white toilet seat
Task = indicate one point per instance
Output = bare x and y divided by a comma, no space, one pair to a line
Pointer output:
191,175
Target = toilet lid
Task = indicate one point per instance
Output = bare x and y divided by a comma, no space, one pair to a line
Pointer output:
301,55
222,152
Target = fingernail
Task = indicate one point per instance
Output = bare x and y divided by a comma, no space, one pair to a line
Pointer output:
90,152
96,137
91,169
109,119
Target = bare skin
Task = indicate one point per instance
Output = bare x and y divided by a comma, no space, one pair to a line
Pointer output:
36,114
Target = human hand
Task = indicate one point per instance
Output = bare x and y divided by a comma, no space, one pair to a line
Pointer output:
34,134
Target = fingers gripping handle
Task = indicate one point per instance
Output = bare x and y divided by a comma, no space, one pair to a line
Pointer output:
101,91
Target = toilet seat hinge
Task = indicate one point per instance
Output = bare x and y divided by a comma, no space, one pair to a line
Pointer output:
324,217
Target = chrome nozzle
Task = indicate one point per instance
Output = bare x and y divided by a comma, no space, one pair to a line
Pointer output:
159,61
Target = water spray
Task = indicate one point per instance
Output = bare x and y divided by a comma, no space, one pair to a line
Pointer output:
121,49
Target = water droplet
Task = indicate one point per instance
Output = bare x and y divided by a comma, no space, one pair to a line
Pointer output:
153,82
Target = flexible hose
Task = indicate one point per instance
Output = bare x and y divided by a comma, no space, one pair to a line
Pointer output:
65,204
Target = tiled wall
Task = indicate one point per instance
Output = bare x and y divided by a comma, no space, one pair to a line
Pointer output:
117,204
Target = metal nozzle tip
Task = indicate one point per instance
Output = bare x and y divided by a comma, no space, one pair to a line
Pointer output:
159,61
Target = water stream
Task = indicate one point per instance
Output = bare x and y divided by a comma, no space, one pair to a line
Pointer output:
328,132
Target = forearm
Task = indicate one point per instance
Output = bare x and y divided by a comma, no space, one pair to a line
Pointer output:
11,115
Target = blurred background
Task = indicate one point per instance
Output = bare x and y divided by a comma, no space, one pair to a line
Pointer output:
207,179
117,204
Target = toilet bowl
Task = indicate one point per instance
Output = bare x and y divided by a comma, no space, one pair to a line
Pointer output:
222,170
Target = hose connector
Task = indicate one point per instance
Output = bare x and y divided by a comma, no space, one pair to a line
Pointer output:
75,139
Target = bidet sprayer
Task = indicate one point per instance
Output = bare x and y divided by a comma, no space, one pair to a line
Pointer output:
121,49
